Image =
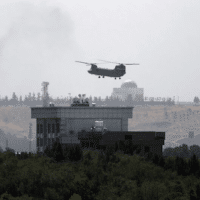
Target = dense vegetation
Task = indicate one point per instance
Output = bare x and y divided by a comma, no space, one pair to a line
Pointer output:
119,172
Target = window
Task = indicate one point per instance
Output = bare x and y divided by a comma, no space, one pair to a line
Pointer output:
41,128
53,128
128,137
49,128
58,128
38,128
38,142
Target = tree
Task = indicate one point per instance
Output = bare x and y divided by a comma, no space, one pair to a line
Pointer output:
14,99
6,100
58,154
26,101
1,150
194,164
14,96
20,100
184,151
196,100
95,100
8,149
169,102
195,149
29,96
198,190
38,96
107,100
33,97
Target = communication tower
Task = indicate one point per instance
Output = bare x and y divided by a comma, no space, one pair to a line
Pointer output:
45,93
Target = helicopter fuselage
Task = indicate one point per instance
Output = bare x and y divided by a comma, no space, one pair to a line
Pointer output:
118,71
107,72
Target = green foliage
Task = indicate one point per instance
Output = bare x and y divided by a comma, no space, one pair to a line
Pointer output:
58,153
75,153
101,174
121,145
8,149
196,99
7,196
75,197
197,189
51,194
1,150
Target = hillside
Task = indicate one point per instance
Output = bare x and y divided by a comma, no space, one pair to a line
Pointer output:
174,120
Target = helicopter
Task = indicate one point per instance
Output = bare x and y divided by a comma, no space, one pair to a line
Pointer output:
118,71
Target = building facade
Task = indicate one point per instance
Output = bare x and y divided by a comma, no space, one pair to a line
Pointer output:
129,87
56,123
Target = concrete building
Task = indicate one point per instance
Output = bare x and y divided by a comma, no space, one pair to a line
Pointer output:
56,124
128,87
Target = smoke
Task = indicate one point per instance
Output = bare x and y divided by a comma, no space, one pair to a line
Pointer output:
34,41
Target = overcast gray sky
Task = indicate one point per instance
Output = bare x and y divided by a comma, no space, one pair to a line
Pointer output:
40,41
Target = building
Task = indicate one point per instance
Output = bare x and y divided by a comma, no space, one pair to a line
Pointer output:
128,87
57,123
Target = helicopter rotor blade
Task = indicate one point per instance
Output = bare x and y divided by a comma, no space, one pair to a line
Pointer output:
82,62
110,62
131,63
121,63
89,63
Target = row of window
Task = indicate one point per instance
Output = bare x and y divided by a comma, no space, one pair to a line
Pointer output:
41,135
51,128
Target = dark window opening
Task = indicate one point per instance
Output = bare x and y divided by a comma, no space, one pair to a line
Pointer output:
38,128
37,142
49,128
128,137
41,128
53,128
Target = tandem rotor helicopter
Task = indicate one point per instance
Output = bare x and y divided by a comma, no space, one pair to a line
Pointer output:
118,71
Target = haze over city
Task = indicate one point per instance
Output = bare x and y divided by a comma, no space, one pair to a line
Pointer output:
41,40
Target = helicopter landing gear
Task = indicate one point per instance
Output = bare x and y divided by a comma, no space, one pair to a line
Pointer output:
99,77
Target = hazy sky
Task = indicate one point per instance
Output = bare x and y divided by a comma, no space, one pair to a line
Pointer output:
41,41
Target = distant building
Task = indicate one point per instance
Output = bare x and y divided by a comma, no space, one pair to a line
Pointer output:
128,87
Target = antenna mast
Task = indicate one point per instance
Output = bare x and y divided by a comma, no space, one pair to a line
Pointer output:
45,93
